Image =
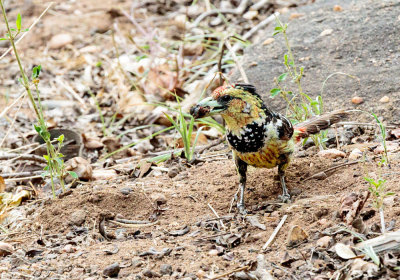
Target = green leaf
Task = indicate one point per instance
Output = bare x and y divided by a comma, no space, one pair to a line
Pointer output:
282,77
291,63
277,32
18,22
26,29
73,174
46,157
60,138
278,28
37,128
286,59
2,39
36,71
275,91
139,58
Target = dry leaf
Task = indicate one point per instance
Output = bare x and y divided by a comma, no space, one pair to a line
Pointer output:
344,251
2,184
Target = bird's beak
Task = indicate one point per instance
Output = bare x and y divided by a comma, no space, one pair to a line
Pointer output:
206,107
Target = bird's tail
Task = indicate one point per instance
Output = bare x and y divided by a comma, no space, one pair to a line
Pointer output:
317,123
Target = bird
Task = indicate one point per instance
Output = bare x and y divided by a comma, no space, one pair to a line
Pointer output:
256,134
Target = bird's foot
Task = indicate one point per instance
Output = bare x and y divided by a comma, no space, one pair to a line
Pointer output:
285,198
242,209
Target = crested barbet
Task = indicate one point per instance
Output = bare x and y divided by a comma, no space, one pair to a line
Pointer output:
257,135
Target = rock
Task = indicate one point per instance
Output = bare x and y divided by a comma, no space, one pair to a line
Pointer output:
384,99
357,100
295,15
173,171
166,269
337,8
324,242
344,251
213,252
149,273
331,153
104,174
126,190
158,198
69,248
268,41
296,235
390,147
5,249
396,133
77,218
250,15
112,270
358,45
60,40
355,154
326,32
81,167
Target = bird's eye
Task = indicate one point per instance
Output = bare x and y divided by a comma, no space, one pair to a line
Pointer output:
226,98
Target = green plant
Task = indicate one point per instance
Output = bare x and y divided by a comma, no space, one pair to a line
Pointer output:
383,135
300,106
185,129
378,192
55,164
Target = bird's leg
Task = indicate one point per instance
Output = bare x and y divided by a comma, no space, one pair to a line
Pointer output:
242,169
285,194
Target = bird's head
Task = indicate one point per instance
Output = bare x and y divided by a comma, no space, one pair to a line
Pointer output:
238,104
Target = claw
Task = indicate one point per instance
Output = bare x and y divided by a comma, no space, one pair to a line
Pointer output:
285,198
242,209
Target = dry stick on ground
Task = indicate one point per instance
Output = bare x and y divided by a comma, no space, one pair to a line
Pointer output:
216,214
133,225
23,157
238,11
71,91
238,64
30,28
330,169
276,230
230,272
212,144
12,123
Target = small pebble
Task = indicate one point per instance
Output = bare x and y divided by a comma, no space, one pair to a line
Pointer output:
166,269
5,249
159,198
60,40
69,248
331,153
77,218
112,270
324,242
250,15
337,8
355,154
126,190
149,273
326,32
384,99
357,100
268,41
295,15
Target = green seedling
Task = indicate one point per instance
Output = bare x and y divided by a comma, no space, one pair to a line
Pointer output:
300,106
55,165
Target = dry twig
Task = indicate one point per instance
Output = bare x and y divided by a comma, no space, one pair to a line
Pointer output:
275,232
